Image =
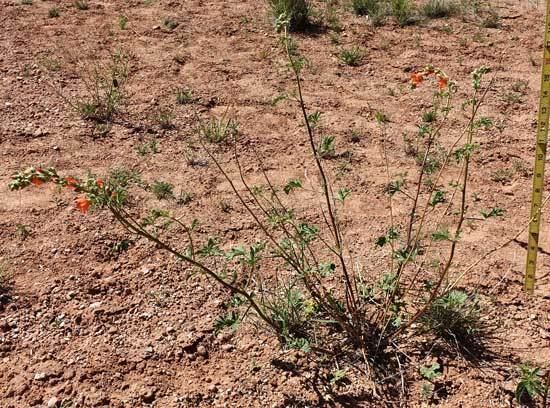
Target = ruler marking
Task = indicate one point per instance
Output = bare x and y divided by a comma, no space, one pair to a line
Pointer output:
540,158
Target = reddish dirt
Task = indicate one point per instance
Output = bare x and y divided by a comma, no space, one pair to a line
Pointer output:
79,325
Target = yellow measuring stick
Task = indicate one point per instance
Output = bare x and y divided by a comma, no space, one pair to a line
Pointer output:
540,157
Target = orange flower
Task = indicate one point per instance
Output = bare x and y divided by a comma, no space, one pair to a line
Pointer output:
71,183
416,79
442,82
99,183
82,204
36,181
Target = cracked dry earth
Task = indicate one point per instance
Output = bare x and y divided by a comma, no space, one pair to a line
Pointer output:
83,326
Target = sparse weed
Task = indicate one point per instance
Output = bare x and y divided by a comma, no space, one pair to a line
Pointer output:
120,246
165,119
122,21
455,317
162,190
492,20
374,9
27,2
229,320
23,231
351,56
184,96
326,148
502,175
53,12
81,4
293,13
170,24
430,372
184,198
521,87
152,146
439,8
106,91
218,130
532,385
402,11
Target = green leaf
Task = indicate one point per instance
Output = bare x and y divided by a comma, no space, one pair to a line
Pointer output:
441,235
493,212
430,373
292,185
342,194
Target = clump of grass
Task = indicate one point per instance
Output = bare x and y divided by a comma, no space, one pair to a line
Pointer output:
455,317
374,9
165,119
492,20
439,8
81,4
23,231
170,23
502,175
26,2
122,21
53,12
402,11
327,147
217,130
145,148
184,96
184,197
294,13
162,190
351,56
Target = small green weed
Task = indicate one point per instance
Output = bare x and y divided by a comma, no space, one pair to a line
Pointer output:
439,8
152,146
455,318
184,198
376,10
492,20
122,21
295,13
105,88
327,147
81,4
170,24
23,231
162,190
402,11
184,96
431,372
351,56
502,176
53,12
218,130
165,119
532,385
229,320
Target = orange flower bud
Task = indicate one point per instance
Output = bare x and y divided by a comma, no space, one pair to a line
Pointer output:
72,183
416,79
82,204
442,83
